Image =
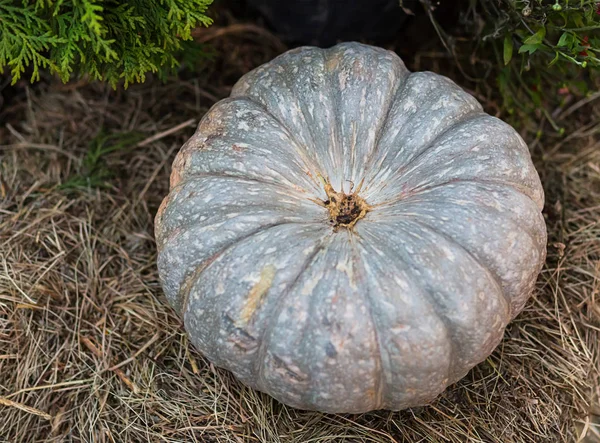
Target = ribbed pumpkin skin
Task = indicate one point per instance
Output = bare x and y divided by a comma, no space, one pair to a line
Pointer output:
386,314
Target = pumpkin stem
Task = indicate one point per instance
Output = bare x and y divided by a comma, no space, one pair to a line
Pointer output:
344,209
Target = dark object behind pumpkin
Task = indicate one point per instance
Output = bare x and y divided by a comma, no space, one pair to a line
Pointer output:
325,22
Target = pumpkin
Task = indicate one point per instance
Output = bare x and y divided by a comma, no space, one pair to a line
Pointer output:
345,235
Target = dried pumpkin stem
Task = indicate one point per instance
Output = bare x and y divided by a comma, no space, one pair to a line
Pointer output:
344,209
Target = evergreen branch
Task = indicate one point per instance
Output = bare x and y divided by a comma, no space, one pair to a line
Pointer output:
108,40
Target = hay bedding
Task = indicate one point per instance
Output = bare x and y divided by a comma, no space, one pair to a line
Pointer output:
89,351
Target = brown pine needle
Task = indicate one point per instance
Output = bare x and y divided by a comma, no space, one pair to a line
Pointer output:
6,402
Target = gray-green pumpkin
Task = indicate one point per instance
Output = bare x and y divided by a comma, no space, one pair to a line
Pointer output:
346,235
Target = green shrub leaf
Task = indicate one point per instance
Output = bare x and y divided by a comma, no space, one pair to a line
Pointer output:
529,48
566,39
508,49
536,38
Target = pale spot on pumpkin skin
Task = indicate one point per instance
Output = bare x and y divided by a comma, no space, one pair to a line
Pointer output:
347,269
409,106
401,283
448,253
308,250
400,329
308,288
379,252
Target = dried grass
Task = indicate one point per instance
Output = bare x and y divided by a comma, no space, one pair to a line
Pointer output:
90,352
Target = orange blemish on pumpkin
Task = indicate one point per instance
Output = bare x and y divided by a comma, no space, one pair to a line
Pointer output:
256,295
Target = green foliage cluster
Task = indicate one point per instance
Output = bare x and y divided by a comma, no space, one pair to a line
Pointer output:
538,51
563,31
546,49
109,40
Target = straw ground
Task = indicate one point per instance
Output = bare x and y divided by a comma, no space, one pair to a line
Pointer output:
90,352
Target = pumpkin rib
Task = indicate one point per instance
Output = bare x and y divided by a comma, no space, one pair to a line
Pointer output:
415,192
399,87
409,198
191,277
529,190
339,151
178,230
234,177
286,213
263,339
395,146
317,313
302,204
485,267
227,176
513,296
427,298
315,167
373,62
318,168
452,164
322,53
513,186
512,222
385,362
463,119
226,248
409,268
211,134
336,149
384,377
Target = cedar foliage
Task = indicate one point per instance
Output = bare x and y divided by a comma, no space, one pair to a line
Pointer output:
109,40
